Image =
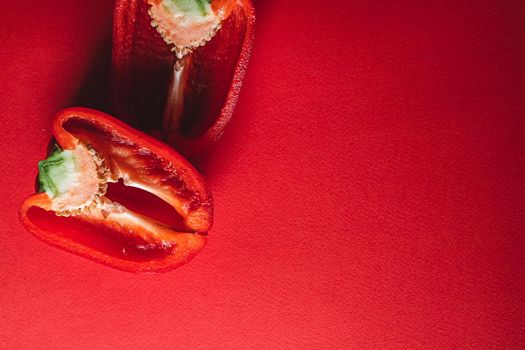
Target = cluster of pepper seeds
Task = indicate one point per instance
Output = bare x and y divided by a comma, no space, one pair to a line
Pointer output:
102,175
180,52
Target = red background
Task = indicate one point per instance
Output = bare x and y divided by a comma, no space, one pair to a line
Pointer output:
369,192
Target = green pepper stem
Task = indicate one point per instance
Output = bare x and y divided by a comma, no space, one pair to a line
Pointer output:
53,170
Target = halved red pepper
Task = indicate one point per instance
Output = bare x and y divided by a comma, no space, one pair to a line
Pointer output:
96,167
186,101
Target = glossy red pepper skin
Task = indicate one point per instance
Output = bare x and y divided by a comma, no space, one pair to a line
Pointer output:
145,161
142,66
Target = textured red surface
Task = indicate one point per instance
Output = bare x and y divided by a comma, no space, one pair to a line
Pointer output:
369,190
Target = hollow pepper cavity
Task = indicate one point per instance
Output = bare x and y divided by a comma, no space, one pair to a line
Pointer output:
115,195
178,66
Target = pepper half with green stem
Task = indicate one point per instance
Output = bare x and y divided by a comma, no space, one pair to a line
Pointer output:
117,196
178,66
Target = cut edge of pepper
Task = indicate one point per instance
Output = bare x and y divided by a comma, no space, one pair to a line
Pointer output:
193,243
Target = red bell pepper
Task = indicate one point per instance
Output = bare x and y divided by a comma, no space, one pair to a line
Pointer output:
182,89
89,202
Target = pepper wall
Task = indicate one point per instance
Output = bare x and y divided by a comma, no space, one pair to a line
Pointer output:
369,191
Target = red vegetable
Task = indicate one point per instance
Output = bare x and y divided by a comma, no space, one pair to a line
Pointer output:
186,102
154,214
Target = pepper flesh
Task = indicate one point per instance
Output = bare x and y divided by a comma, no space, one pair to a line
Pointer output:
85,221
186,102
